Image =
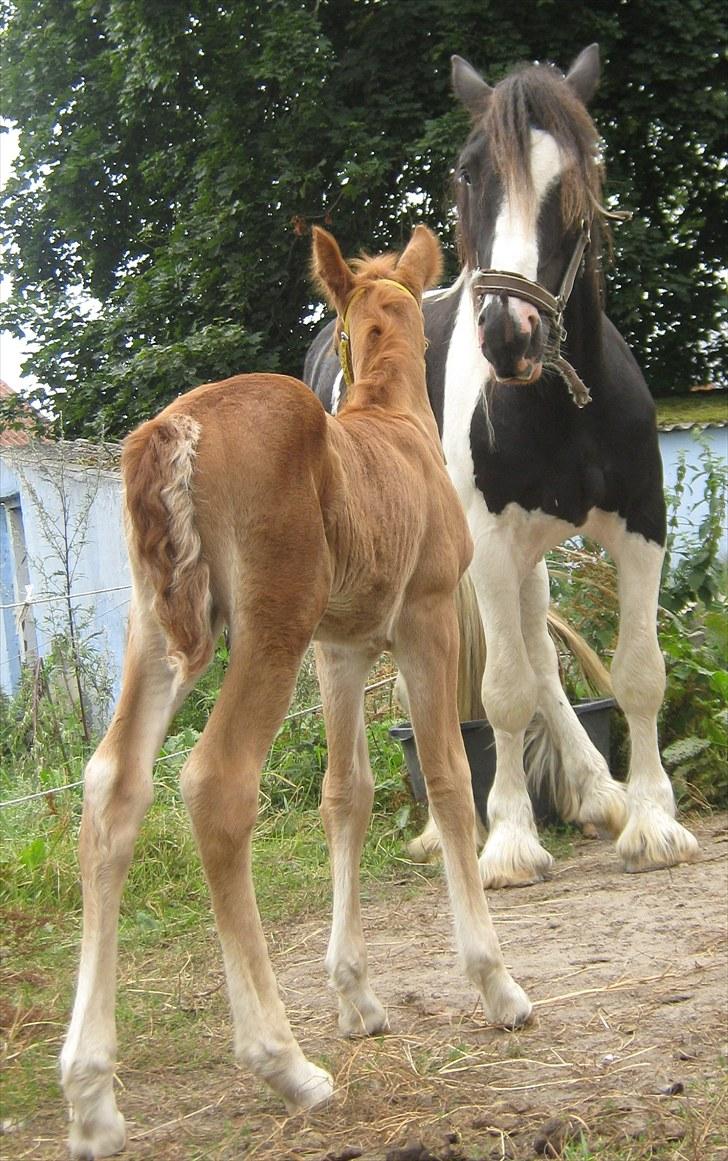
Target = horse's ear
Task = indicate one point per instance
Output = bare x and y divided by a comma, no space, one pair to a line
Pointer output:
329,269
420,264
469,87
583,76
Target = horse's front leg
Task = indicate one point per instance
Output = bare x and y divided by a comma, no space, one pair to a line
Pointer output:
651,838
346,807
512,855
426,650
582,787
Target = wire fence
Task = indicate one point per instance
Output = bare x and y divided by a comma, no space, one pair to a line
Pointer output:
297,714
48,598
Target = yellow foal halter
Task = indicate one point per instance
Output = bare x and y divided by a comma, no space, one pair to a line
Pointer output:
344,340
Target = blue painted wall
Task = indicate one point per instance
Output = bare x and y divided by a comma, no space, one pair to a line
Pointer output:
49,482
689,443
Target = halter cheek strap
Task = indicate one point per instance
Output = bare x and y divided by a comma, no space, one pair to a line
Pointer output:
347,367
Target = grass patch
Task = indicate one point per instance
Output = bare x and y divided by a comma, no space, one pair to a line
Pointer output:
711,407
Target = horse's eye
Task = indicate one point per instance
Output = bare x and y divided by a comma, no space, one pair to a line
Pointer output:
464,177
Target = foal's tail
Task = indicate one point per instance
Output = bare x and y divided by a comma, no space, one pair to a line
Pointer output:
157,465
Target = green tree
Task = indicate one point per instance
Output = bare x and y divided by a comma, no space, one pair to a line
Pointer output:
174,154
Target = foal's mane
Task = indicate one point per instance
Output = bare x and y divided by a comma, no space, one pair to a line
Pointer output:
537,96
394,349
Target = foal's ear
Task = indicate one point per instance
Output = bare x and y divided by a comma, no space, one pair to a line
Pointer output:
329,269
583,76
469,87
420,264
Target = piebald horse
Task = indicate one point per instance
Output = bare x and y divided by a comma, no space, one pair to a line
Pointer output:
542,447
248,506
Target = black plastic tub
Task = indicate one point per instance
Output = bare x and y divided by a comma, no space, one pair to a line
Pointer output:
480,750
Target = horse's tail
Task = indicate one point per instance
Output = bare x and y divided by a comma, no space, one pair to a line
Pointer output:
471,658
593,669
164,542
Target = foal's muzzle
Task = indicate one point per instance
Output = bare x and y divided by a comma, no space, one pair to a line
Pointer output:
512,336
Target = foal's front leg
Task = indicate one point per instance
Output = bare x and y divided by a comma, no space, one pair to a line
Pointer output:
651,838
346,807
426,650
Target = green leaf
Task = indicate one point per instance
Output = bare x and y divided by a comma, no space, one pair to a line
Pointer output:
34,854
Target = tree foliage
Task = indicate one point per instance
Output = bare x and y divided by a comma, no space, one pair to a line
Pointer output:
173,155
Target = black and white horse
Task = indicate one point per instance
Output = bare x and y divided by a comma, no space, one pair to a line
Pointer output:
541,448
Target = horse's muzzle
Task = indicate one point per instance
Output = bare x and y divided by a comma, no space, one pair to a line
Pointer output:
511,334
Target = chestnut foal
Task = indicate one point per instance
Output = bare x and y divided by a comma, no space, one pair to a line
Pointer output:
248,505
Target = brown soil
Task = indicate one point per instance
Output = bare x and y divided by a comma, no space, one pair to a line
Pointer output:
627,1048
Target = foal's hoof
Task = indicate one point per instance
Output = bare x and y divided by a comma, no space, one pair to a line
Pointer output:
653,840
426,846
86,1144
506,1004
315,1087
605,808
368,1018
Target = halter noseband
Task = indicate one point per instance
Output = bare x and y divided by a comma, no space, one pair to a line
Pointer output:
553,306
344,340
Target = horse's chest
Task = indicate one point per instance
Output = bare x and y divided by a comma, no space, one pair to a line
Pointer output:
543,465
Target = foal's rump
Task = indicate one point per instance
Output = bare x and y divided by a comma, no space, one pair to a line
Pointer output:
219,469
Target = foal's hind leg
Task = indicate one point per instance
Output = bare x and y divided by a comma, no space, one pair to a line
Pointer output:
346,807
118,790
220,785
651,838
584,789
426,650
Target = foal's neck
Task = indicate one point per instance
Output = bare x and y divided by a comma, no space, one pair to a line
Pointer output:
395,384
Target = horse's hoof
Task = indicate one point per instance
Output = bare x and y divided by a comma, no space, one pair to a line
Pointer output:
653,840
104,1140
513,857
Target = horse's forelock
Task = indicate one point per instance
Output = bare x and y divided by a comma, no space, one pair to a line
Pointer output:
537,96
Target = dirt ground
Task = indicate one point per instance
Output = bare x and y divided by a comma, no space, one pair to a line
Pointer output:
628,1046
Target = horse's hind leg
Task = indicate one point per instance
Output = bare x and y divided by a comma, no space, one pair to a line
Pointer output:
118,790
346,807
220,785
582,787
426,650
651,838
